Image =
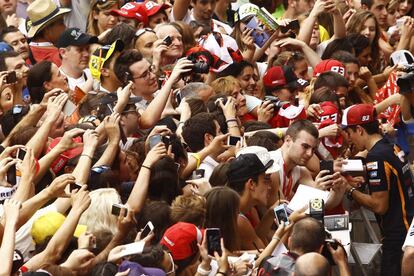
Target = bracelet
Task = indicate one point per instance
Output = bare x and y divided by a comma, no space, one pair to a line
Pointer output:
231,120
233,126
220,272
180,123
202,271
349,194
276,238
198,159
148,168
86,156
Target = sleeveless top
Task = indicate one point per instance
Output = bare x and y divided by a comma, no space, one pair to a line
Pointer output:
288,182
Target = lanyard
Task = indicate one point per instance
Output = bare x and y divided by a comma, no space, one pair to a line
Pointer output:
287,189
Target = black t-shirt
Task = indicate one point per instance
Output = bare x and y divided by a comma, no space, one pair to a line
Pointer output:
388,170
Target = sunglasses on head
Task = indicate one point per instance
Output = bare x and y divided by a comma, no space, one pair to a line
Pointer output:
143,31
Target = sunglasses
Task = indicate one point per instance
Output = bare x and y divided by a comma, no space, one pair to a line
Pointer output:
143,31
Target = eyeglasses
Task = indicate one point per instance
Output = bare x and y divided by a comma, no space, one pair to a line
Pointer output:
147,74
143,31
172,264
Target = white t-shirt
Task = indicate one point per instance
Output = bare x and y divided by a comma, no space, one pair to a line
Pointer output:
72,82
252,102
217,25
208,166
24,241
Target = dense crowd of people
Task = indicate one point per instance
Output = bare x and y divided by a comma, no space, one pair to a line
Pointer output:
204,137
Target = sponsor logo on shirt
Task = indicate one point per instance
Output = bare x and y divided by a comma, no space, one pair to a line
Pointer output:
373,174
372,166
375,182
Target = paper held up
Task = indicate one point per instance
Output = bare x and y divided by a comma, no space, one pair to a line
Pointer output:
304,194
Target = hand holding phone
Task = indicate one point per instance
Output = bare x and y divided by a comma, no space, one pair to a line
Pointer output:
167,40
281,214
326,165
116,209
154,140
213,236
21,153
149,227
232,140
11,77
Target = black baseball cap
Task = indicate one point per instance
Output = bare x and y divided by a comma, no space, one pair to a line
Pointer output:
246,166
74,37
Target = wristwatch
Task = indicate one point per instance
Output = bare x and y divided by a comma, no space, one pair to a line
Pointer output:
349,193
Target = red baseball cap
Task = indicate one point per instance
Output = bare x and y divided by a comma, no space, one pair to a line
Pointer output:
358,114
64,157
133,10
278,76
329,65
152,8
181,239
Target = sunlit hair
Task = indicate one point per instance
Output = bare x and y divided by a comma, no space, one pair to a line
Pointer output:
225,85
98,216
96,7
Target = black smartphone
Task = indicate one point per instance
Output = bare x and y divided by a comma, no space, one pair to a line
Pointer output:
197,174
154,140
178,98
167,40
74,186
213,236
11,175
124,139
326,165
147,229
116,209
11,77
21,153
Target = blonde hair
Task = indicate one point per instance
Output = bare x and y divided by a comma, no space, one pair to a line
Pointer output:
98,216
189,208
225,85
92,24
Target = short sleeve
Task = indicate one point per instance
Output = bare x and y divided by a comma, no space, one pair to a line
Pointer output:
376,175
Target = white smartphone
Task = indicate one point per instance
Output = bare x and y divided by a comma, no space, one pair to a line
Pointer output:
133,248
281,214
149,227
69,108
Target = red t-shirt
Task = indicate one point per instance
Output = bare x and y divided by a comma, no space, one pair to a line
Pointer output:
49,53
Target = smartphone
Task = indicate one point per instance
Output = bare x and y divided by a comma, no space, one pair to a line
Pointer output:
21,153
133,248
149,227
11,77
281,214
11,175
110,107
293,25
326,165
232,140
197,174
116,209
69,108
336,222
167,40
213,236
178,98
74,186
154,140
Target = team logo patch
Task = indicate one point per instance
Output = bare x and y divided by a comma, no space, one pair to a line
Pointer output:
373,174
372,166
375,182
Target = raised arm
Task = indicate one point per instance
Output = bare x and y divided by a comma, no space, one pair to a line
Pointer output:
113,132
180,9
311,56
11,216
60,240
82,169
306,28
139,192
152,113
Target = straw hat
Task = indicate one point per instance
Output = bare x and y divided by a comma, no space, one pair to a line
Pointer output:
41,12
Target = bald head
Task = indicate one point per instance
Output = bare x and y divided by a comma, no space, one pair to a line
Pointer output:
312,264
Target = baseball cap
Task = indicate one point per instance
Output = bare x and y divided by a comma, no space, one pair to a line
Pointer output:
181,239
245,11
246,166
358,114
278,76
64,157
74,37
4,47
47,225
137,269
152,8
263,154
101,55
329,65
133,10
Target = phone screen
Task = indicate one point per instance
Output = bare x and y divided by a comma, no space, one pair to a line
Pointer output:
326,165
213,241
197,174
232,140
11,77
21,153
147,229
154,140
281,215
11,175
116,209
